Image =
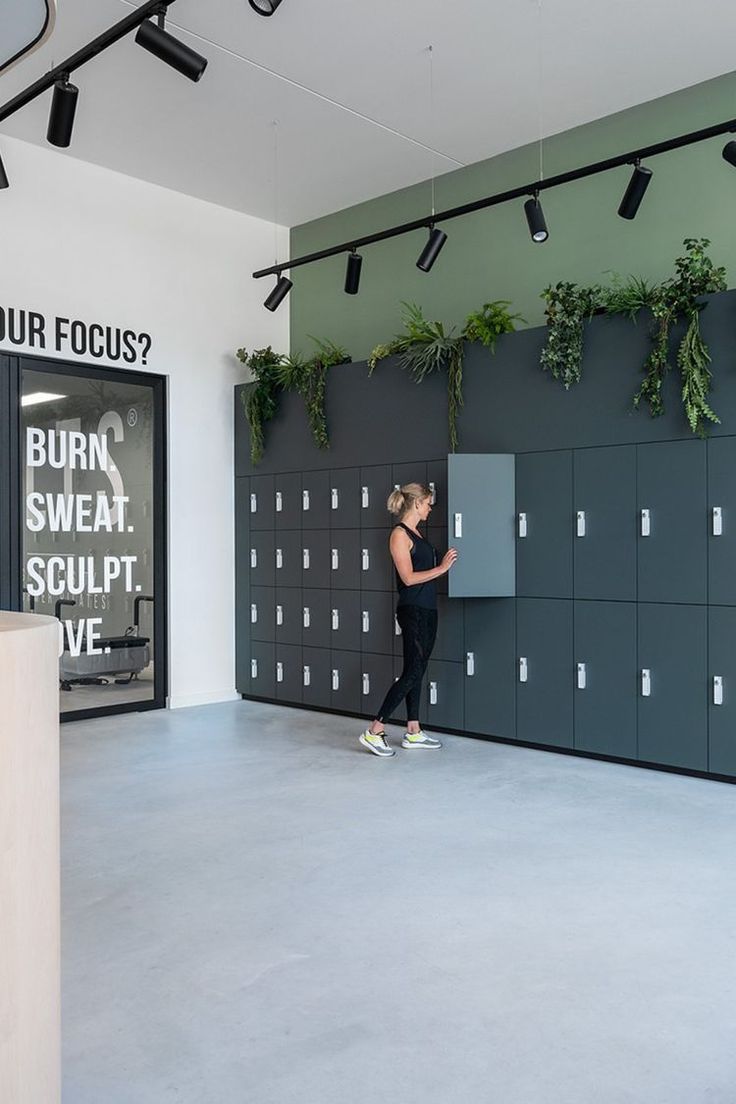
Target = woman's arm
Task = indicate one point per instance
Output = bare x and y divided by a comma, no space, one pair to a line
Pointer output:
400,547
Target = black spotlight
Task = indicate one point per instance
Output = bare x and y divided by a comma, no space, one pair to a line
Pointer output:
279,293
152,37
61,116
431,251
264,7
352,273
729,153
535,218
3,175
635,190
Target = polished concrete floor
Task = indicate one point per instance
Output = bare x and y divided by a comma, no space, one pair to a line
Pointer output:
257,910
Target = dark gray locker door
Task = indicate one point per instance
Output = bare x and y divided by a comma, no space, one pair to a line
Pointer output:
316,618
316,500
449,642
376,565
672,560
544,683
544,497
262,613
605,685
261,502
437,481
288,673
288,557
672,718
345,681
375,487
288,615
287,493
316,558
242,585
437,537
316,672
480,521
262,567
490,666
604,504
345,559
415,472
344,492
442,695
377,622
376,676
722,694
722,526
263,669
345,620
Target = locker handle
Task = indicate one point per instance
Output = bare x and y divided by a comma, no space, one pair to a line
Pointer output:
335,619
470,663
397,627
433,693
335,679
279,502
254,668
305,559
279,558
397,486
646,682
366,683
306,617
253,503
458,525
279,672
279,615
253,613
580,523
718,689
433,498
307,674
366,560
582,676
645,522
334,498
523,669
364,497
366,621
335,559
253,558
305,500
717,521
522,525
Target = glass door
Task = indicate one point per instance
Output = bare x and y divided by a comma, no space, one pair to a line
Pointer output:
93,529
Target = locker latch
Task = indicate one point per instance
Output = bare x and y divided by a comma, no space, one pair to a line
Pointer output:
279,615
366,683
253,613
580,523
717,521
306,674
523,669
366,621
582,676
253,503
646,682
279,558
366,560
305,500
335,560
522,525
254,668
397,627
646,523
305,559
433,693
279,502
458,525
253,558
470,663
305,617
364,497
334,498
718,689
335,679
279,672
433,489
335,619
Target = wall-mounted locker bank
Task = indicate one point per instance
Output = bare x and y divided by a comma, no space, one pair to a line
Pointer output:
593,606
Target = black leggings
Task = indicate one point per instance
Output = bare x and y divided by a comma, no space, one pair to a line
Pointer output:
418,630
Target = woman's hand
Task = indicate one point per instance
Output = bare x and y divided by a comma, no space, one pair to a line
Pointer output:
448,559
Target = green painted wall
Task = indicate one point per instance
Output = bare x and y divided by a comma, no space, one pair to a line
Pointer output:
489,255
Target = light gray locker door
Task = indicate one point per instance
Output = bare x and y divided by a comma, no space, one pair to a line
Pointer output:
376,565
262,613
287,494
345,559
722,690
242,585
345,498
604,520
316,677
605,678
544,671
673,557
490,666
673,685
316,558
480,522
263,669
261,558
345,620
288,616
261,502
288,673
288,557
544,524
375,487
722,521
377,622
316,500
316,615
442,696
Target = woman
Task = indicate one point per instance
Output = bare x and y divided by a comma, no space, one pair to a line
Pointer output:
416,566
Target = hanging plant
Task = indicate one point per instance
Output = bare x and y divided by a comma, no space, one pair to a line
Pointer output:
568,308
309,379
488,323
260,397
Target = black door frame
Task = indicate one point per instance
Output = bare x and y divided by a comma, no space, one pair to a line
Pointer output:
11,513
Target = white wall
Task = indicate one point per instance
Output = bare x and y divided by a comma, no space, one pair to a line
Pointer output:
83,242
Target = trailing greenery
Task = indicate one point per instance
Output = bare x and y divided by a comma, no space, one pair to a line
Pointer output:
628,297
260,397
568,308
488,323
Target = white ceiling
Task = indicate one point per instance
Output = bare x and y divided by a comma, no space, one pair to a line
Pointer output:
215,139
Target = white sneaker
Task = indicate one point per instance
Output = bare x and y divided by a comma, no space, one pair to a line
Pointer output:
419,740
376,742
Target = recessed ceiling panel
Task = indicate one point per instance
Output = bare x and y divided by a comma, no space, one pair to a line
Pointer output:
25,26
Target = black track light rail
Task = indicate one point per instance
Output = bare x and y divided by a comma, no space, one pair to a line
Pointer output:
503,197
92,49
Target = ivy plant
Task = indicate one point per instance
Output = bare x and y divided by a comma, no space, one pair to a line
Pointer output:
568,308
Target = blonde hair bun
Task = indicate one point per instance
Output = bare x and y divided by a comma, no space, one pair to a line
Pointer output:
401,501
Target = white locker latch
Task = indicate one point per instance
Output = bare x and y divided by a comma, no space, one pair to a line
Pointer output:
279,502
365,560
253,558
253,613
305,500
458,525
279,615
366,621
307,674
279,558
470,663
717,521
397,486
279,672
335,619
334,498
305,559
433,693
646,682
335,679
366,683
397,628
305,617
522,525
254,668
433,489
718,689
580,523
646,523
253,503
523,669
335,560
364,498
582,676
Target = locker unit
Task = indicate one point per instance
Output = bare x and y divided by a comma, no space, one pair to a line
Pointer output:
242,585
480,524
449,641
345,620
316,618
489,643
414,472
544,671
604,510
288,673
605,678
376,565
261,558
262,669
437,483
261,502
345,681
316,558
376,675
442,695
345,499
377,622
288,557
262,613
671,503
288,615
287,505
722,690
345,559
543,524
316,500
721,521
375,487
316,677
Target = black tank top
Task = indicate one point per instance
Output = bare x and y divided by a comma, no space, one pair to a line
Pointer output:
423,557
